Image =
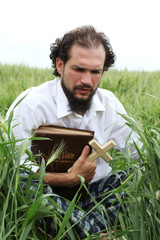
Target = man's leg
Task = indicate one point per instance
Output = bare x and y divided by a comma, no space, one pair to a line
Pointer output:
96,220
99,191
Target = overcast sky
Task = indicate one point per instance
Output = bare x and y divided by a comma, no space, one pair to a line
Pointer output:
28,27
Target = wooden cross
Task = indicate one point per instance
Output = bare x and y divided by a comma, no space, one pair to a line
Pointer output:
100,151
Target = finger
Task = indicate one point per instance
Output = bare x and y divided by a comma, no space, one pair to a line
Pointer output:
82,157
85,151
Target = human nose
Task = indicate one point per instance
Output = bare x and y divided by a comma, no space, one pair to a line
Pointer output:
86,78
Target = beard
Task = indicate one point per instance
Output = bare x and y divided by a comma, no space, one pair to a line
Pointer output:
76,104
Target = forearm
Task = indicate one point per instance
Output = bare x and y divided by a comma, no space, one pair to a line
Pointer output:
61,179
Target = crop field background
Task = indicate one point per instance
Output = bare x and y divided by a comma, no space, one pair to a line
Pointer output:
139,92
21,215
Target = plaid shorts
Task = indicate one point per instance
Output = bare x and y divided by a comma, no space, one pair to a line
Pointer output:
98,217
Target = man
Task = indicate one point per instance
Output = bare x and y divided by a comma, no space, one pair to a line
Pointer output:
74,100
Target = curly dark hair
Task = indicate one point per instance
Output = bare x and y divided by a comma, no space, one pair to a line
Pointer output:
85,36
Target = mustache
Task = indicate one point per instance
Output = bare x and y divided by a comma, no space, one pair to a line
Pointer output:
86,86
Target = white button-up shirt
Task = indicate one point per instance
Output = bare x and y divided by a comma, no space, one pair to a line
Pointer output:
47,104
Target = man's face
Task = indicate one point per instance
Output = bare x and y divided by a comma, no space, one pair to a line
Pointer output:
82,72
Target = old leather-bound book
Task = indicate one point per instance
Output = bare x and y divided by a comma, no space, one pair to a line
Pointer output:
74,141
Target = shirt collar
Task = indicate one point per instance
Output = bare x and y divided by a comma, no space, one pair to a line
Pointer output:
63,108
97,104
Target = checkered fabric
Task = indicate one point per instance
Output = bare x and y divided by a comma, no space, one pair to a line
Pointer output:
98,217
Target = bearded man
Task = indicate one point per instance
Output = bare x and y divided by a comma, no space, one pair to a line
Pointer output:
74,99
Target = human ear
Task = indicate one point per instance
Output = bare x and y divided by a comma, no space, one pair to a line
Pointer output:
59,66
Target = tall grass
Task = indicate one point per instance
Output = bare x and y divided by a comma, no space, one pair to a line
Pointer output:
15,79
19,209
141,213
22,210
138,92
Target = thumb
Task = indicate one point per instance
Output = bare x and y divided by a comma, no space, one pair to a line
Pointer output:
85,152
82,157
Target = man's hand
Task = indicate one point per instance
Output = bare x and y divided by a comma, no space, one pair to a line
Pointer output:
80,167
83,168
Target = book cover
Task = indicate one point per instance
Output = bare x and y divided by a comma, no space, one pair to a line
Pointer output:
74,141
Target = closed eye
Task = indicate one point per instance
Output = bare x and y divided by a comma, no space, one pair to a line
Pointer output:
79,69
96,71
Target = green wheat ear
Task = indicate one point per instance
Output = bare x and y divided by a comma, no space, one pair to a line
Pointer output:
3,125
56,151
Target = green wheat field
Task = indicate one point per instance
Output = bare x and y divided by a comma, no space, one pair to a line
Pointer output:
22,212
